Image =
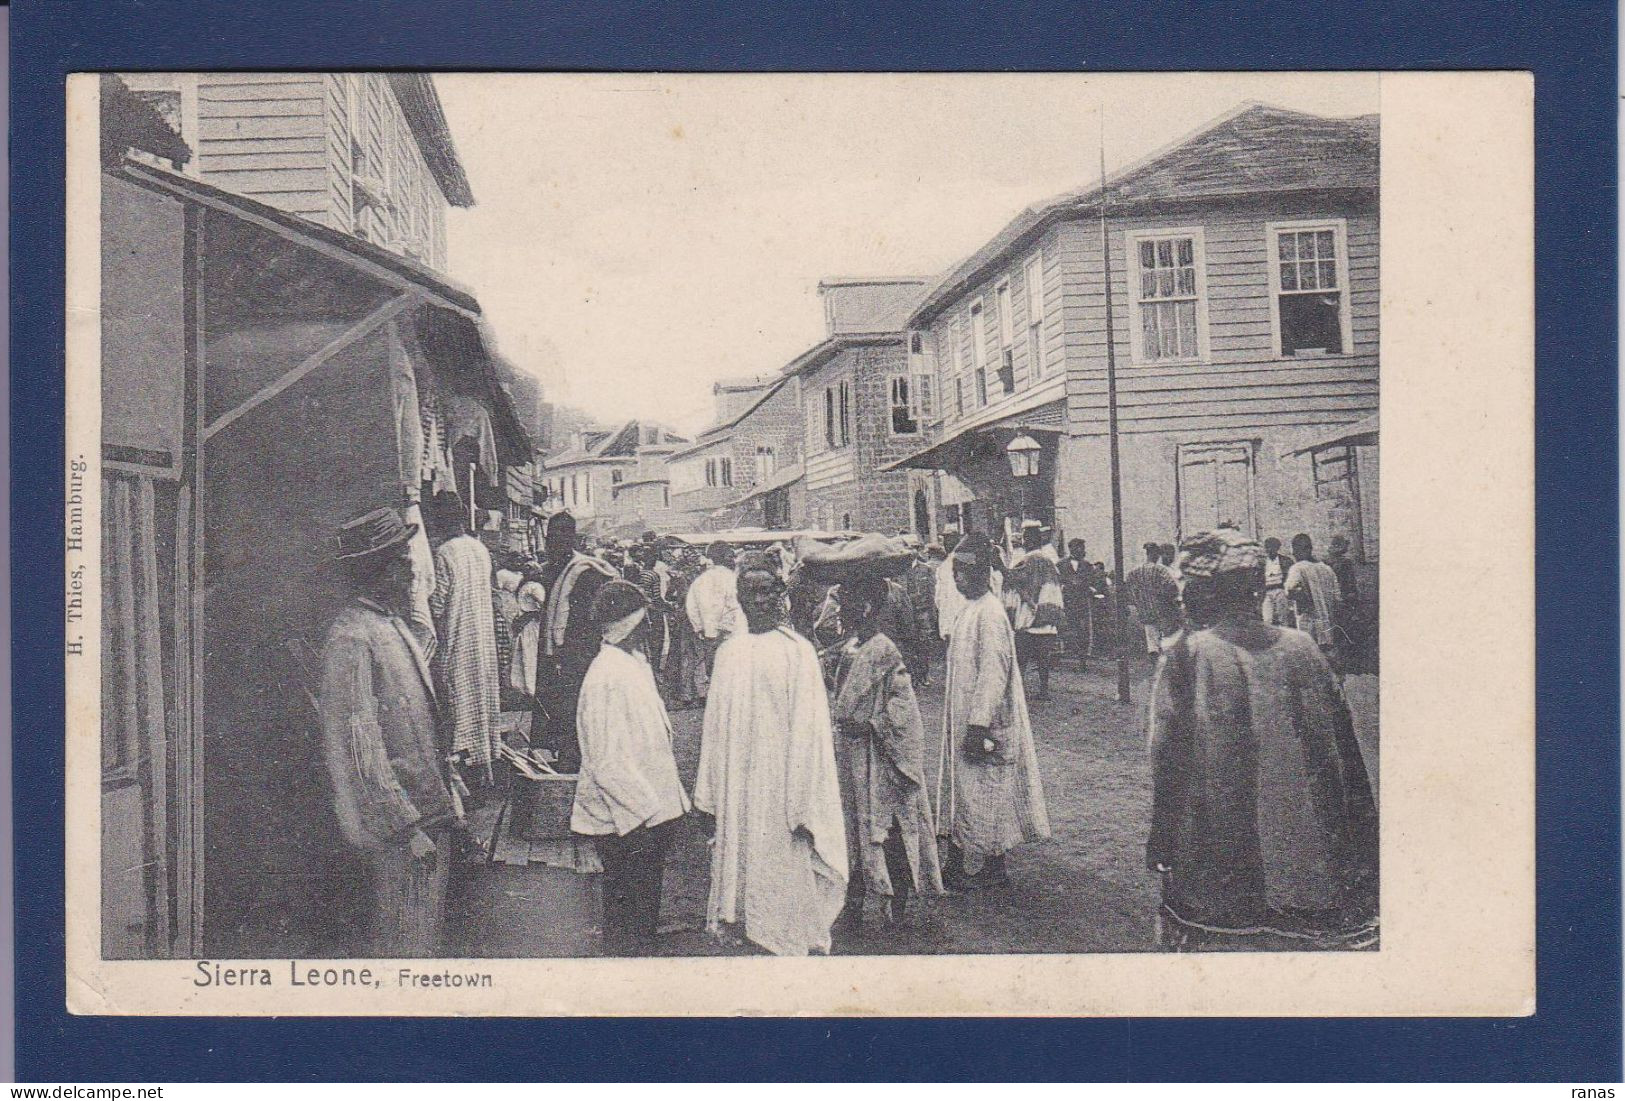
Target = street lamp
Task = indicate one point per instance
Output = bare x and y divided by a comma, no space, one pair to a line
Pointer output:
1023,453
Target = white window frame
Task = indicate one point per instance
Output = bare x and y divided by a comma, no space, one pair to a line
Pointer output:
1131,253
813,406
1345,311
977,320
1004,297
843,413
1032,276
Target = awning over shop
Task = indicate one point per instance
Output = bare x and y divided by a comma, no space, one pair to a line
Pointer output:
1361,432
784,479
977,442
297,276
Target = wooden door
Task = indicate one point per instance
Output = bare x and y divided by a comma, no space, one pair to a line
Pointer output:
1215,488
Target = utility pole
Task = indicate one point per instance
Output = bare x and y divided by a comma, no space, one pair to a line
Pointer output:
1111,428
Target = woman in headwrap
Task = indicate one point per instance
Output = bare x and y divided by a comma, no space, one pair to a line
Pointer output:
1263,827
891,844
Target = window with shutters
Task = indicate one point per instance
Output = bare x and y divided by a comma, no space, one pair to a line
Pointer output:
1007,339
978,350
904,416
1033,282
1215,487
719,472
1309,302
956,363
813,433
1167,299
922,369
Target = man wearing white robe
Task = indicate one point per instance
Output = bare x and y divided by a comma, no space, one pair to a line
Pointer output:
989,797
713,602
950,601
767,777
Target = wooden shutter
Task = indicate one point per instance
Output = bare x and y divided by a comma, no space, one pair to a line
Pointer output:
1215,486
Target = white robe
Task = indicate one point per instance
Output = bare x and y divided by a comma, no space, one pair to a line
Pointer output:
950,601
767,768
988,806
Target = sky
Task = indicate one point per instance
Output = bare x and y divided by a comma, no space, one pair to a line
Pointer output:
635,238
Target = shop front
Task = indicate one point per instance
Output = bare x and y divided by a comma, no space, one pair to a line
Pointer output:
265,379
995,477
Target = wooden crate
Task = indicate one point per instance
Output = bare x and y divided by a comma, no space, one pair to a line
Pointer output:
541,807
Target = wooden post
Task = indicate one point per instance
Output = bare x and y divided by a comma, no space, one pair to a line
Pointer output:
191,900
1111,423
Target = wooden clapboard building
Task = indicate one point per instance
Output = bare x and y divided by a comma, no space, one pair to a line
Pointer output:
366,153
264,379
1245,307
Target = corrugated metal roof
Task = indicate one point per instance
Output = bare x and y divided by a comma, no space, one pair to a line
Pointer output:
789,476
946,453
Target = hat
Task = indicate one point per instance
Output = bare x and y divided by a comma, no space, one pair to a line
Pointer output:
375,532
561,526
975,548
1210,553
757,560
617,601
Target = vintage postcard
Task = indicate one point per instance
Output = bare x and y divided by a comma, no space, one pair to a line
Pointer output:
822,544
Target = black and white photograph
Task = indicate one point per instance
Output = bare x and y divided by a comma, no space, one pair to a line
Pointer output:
833,537
693,517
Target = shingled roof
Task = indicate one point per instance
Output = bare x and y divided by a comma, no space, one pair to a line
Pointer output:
1254,149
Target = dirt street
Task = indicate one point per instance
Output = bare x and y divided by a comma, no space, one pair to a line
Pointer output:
1084,890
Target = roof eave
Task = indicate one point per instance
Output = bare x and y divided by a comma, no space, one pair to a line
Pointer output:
420,103
1088,206
825,350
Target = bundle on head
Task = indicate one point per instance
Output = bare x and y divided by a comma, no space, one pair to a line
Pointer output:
868,556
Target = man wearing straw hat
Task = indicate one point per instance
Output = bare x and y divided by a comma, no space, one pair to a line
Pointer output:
378,736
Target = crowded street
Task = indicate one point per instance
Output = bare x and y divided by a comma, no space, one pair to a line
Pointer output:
1085,890
771,649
